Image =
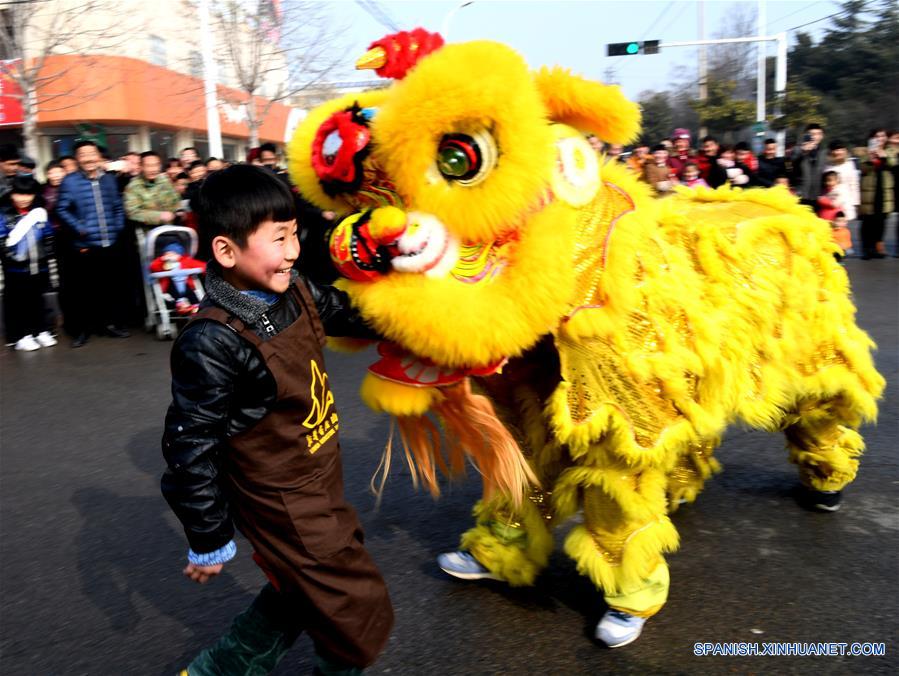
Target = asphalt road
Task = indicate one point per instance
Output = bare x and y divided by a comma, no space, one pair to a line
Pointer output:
90,556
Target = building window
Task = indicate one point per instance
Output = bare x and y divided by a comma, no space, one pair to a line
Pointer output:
195,65
157,51
163,142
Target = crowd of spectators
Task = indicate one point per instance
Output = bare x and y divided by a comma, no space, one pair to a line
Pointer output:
854,189
77,233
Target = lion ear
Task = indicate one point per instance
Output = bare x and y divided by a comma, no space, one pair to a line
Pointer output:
588,106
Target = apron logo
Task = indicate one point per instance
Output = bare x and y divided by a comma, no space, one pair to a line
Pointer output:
322,426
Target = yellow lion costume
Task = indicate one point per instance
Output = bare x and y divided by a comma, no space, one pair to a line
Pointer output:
612,337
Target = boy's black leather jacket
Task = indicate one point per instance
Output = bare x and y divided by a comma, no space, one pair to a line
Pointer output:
220,387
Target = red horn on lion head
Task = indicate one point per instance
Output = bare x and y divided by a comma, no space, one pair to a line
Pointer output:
395,55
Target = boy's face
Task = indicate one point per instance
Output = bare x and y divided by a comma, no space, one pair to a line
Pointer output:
691,173
22,201
264,264
831,182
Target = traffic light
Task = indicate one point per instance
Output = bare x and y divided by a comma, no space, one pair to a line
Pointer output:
631,48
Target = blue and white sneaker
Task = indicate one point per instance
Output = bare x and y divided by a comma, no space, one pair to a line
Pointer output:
617,628
464,566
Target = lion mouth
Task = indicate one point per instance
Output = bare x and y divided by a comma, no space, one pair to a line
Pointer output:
426,247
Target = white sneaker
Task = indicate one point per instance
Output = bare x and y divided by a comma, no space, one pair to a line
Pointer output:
617,628
27,344
46,339
464,566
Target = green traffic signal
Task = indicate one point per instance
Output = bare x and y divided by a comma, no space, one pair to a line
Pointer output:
632,48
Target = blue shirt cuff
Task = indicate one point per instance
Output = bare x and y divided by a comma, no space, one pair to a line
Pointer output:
220,555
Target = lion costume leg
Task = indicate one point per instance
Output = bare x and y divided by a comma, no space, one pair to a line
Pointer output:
626,530
825,449
513,545
690,472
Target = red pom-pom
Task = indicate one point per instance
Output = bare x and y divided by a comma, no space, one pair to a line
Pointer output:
404,50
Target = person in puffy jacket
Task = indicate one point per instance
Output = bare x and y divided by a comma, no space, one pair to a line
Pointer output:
251,441
90,208
25,234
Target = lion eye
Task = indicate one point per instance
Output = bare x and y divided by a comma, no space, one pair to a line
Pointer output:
466,159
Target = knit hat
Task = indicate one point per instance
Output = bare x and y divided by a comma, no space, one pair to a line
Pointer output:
174,247
680,132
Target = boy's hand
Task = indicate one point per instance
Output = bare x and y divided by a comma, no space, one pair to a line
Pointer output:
202,574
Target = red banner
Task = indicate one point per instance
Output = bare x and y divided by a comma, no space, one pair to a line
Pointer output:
10,98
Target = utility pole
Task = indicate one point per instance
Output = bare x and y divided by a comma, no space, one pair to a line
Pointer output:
703,65
213,126
760,116
780,80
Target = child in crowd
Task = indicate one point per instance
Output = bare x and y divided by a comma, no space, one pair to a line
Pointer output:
839,228
251,441
657,171
691,177
25,236
738,174
834,197
178,291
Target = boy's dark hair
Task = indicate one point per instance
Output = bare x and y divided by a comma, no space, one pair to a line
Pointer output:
706,139
268,147
837,145
190,148
211,159
234,201
149,153
769,141
172,161
83,143
742,145
53,164
659,146
182,175
63,158
813,125
826,174
24,185
691,164
195,164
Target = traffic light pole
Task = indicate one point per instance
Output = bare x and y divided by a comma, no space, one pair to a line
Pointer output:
780,71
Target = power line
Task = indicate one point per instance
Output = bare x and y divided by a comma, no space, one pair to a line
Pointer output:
374,9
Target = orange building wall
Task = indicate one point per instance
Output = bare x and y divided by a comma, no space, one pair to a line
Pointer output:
118,90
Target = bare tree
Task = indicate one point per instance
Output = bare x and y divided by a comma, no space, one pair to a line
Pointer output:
736,62
31,31
275,50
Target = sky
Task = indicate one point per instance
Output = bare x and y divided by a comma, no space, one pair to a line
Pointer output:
574,33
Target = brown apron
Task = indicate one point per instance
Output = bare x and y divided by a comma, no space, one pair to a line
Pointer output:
285,483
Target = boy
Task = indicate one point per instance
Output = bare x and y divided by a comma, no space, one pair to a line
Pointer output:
251,441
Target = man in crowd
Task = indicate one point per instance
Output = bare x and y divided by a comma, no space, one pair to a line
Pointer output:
681,153
809,160
69,164
707,161
268,155
150,200
129,171
9,166
214,164
90,209
188,156
770,166
638,158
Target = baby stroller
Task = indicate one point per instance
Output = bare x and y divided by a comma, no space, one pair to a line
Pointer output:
172,285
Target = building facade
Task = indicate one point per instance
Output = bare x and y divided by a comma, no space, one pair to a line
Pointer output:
129,74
